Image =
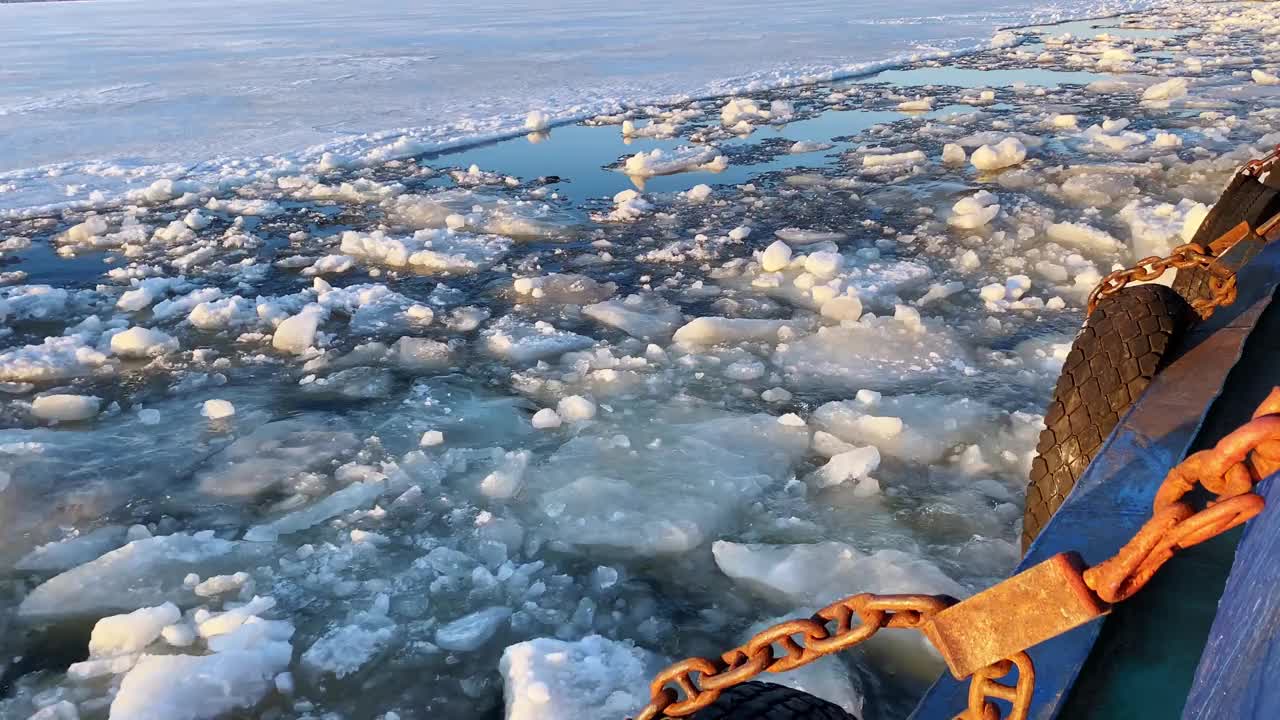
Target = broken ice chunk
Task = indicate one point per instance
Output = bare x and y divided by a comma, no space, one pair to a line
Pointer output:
852,466
537,121
349,498
548,679
140,342
217,409
682,159
647,317
719,330
920,428
296,334
821,573
121,634
1262,77
546,419
1170,89
63,555
520,341
953,154
1006,153
143,573
191,687
776,257
878,352
65,408
575,409
974,211
469,632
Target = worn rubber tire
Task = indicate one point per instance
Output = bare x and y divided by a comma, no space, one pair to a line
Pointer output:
1123,344
767,701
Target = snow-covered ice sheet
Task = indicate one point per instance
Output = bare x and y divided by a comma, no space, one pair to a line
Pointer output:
134,95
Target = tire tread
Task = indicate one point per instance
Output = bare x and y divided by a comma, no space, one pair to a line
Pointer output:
1123,344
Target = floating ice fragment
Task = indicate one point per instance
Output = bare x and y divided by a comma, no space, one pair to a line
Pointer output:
508,478
895,160
814,575
217,409
797,236
842,308
575,409
469,632
1006,153
698,193
353,496
297,333
140,342
1171,89
1262,77
143,573
199,687
682,159
537,121
647,316
791,420
974,211
65,408
220,584
717,330
546,419
917,105
806,146
953,154
120,634
63,555
549,679
823,264
519,341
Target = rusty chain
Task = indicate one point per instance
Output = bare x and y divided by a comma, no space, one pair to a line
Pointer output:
1229,470
1222,281
1222,284
801,641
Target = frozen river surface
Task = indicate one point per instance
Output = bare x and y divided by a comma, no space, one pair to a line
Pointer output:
385,430
115,92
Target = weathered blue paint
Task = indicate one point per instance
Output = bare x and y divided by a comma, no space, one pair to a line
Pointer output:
1113,498
1237,676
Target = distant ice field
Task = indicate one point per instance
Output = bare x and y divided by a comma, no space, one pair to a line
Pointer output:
106,95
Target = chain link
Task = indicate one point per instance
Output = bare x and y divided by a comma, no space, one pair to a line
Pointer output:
1222,285
1229,470
828,631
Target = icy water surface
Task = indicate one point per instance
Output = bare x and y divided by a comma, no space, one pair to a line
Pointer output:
498,432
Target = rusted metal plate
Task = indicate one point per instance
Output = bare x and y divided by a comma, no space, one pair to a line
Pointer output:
1037,604
1114,496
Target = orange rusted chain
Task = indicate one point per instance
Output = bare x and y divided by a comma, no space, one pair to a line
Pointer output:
701,680
1229,470
1222,284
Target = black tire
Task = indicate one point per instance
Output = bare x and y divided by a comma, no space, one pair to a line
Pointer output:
1245,199
767,701
1124,343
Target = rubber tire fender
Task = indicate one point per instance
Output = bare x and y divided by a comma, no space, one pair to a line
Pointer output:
1126,340
768,701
